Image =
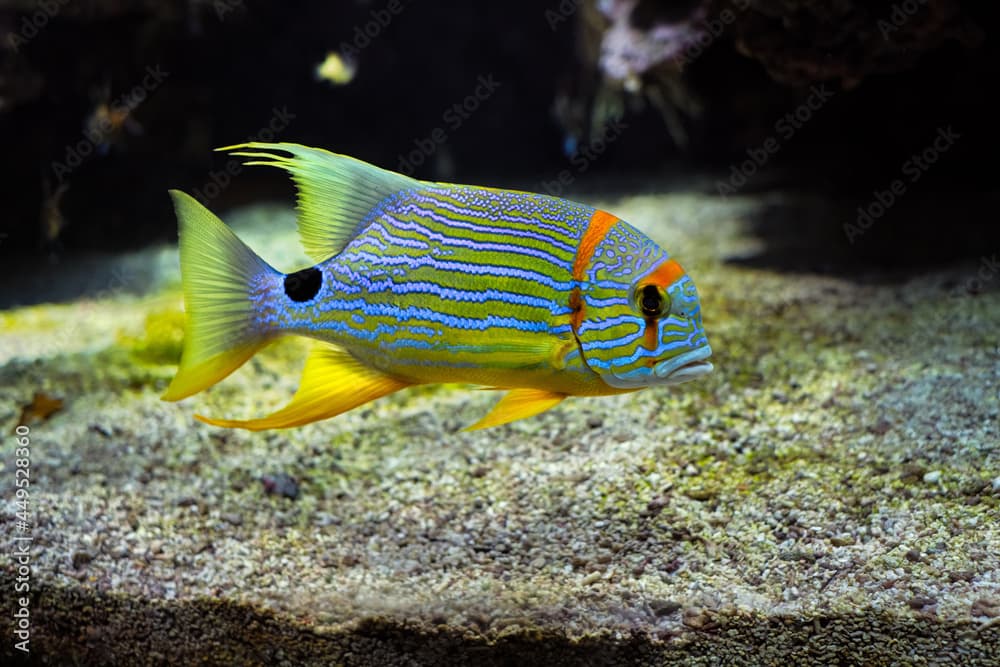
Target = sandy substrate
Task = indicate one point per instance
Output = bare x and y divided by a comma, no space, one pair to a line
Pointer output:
830,495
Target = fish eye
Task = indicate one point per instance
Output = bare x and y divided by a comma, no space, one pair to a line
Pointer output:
652,301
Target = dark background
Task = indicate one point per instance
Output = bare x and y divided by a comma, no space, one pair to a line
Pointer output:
232,63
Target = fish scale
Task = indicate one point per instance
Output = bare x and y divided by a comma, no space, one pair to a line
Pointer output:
419,282
524,277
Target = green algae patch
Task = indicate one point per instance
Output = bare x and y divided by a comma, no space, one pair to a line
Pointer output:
161,341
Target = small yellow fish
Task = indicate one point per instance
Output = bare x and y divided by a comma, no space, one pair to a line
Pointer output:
107,124
336,69
419,282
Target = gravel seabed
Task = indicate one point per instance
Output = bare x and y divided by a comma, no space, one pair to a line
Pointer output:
829,495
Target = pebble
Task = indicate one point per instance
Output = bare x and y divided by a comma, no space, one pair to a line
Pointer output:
696,617
919,602
233,519
989,608
933,477
700,493
664,607
280,484
81,558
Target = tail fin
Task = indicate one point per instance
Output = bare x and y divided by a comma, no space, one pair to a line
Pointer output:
218,272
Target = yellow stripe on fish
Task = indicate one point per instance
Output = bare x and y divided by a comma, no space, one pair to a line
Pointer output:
419,282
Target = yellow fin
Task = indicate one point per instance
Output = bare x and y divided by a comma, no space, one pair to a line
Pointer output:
336,192
518,404
218,272
333,382
193,377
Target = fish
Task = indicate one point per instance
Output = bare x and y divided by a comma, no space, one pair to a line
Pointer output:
337,69
51,219
107,124
418,282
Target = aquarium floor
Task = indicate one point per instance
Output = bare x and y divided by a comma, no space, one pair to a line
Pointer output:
829,495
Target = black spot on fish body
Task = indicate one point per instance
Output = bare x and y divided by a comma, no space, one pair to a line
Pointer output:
303,285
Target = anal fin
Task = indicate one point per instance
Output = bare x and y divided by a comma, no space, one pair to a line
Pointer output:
332,382
518,404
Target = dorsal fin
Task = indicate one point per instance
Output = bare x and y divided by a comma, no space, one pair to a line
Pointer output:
336,192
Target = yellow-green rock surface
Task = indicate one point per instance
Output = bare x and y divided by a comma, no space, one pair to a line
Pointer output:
829,495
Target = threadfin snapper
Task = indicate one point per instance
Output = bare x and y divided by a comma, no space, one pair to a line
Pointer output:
420,282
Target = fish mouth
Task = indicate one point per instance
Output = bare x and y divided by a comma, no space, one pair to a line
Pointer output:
685,367
675,370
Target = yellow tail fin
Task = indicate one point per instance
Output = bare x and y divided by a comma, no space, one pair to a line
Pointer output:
218,271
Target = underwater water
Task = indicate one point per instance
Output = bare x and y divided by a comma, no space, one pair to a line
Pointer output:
828,494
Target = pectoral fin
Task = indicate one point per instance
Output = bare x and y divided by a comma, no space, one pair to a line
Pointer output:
333,382
518,404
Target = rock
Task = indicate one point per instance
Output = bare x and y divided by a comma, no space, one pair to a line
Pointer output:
81,558
809,536
281,484
989,608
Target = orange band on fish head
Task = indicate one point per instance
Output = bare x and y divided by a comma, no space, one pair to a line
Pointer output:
597,229
651,336
665,275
